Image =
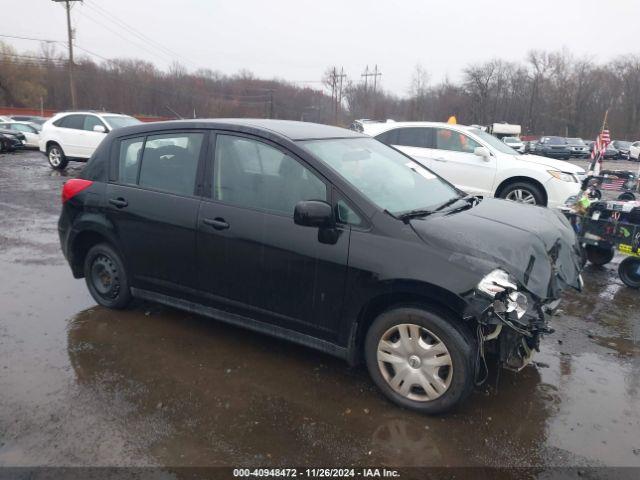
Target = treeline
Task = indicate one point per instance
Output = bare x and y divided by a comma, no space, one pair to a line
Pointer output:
547,93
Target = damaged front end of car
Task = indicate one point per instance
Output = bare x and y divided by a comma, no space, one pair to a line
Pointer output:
512,319
512,316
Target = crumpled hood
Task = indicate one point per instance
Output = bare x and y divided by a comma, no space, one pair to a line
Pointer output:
535,245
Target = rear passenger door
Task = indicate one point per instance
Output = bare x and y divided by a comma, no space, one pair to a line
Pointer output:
153,205
252,258
70,134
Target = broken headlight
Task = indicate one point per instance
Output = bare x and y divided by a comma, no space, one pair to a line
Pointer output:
503,288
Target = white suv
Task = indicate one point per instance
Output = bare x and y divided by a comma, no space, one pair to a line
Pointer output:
479,163
75,135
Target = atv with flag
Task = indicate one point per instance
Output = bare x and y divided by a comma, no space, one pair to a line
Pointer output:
606,226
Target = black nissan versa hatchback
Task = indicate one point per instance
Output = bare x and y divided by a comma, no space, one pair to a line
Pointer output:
322,236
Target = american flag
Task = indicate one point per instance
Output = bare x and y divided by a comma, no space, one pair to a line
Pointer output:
613,183
600,147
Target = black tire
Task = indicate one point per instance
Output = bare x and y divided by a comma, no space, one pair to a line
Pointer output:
2,148
528,187
626,196
460,346
106,277
629,272
599,256
595,194
56,157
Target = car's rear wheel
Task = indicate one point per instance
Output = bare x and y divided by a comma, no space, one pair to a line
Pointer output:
106,277
523,192
599,256
419,359
629,271
57,158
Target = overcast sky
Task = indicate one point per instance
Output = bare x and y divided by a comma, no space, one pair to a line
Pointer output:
297,39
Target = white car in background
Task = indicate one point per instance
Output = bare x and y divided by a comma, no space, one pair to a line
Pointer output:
515,143
634,151
481,164
76,135
31,132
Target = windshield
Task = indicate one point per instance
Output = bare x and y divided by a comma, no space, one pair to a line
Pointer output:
555,140
389,179
575,141
622,144
511,140
120,121
493,141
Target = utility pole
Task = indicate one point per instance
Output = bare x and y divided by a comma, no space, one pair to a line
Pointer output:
72,86
375,74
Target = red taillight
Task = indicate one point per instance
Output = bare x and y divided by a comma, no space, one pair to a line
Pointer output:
74,186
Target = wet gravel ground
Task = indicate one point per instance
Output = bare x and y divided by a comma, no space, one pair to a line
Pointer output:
81,385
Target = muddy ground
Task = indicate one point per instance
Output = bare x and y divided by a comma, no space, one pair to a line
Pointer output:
81,385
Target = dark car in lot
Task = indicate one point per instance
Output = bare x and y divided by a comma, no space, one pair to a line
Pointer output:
622,147
554,147
11,140
321,236
578,148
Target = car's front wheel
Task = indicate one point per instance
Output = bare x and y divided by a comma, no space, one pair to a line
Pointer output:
419,359
106,277
523,192
57,158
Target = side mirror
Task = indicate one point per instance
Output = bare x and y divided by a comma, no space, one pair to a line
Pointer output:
313,213
99,128
482,152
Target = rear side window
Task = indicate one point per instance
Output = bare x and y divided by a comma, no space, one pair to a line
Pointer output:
413,137
170,162
129,159
71,121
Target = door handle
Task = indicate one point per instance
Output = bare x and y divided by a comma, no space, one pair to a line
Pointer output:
217,223
440,159
118,202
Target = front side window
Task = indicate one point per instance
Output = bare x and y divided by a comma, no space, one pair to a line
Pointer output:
170,162
249,173
389,179
91,121
455,141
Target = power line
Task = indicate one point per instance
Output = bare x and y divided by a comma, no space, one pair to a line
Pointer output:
111,17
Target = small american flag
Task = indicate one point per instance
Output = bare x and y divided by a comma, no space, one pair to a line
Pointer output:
600,147
613,183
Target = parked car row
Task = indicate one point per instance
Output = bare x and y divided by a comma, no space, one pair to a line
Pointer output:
19,131
566,148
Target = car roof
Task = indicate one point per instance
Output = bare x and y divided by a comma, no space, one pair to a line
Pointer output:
374,129
293,130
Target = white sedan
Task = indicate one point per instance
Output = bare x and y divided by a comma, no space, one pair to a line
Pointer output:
480,164
31,132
